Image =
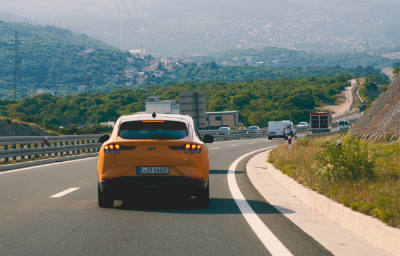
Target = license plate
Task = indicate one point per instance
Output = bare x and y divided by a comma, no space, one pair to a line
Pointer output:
152,170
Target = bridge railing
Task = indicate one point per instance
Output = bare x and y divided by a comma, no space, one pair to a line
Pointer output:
30,147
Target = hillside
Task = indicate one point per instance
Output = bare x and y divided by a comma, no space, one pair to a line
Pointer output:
381,122
59,62
281,57
57,59
10,128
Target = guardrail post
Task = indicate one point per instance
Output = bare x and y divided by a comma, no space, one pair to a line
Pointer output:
36,146
6,158
66,143
14,146
22,146
50,145
29,146
42,146
77,151
56,143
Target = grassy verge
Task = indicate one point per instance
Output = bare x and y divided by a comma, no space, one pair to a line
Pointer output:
361,175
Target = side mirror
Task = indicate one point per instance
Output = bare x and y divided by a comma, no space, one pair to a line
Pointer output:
208,138
104,138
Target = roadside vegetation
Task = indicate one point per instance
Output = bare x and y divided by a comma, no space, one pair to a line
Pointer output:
362,175
371,87
258,101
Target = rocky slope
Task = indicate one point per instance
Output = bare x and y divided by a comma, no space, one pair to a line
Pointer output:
8,128
381,122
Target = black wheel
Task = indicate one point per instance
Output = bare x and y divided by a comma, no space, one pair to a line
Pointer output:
269,138
203,198
104,199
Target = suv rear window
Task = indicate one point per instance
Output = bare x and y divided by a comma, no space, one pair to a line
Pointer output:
153,130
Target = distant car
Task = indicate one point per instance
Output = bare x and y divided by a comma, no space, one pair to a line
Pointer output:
224,130
344,125
147,152
302,126
253,129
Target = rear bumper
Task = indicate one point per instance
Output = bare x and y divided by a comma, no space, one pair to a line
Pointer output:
276,135
125,186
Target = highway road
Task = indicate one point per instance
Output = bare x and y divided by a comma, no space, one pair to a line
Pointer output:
52,210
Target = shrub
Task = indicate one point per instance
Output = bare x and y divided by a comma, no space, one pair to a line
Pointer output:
346,161
304,142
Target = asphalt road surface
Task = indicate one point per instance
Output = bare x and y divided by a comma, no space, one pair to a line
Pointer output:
52,210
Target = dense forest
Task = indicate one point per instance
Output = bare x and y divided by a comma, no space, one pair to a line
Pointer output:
212,72
257,101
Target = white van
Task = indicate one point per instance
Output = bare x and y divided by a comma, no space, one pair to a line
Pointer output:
277,129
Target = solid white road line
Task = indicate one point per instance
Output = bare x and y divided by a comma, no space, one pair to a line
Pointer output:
215,148
252,142
270,241
63,193
234,145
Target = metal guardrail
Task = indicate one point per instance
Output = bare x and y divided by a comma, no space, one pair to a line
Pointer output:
31,147
234,134
22,147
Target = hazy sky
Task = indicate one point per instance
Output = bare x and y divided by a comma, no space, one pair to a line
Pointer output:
127,23
178,7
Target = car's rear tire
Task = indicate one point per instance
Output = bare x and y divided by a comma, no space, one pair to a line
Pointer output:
269,138
104,199
203,197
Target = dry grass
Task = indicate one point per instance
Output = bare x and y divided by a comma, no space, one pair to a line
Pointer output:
379,197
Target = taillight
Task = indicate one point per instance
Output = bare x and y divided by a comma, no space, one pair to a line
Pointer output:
193,148
112,149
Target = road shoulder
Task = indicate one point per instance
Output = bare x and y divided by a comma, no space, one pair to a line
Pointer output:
285,193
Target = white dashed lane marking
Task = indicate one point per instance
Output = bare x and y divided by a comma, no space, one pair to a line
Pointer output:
63,193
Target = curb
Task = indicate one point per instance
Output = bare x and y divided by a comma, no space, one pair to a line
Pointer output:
373,230
45,161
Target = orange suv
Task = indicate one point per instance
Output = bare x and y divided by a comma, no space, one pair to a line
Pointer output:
153,152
